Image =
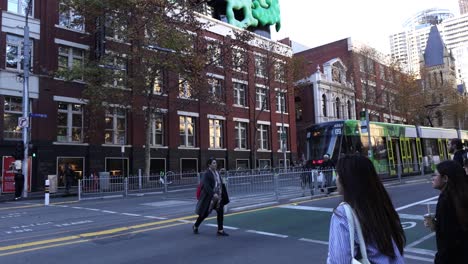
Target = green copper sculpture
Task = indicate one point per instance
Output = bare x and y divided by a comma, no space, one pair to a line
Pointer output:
267,12
256,12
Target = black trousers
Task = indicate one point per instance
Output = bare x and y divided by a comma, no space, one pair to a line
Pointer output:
19,185
219,218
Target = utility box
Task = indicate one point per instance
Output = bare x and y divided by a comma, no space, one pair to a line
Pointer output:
53,183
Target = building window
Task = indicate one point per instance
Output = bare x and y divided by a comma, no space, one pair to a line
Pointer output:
281,102
69,122
283,138
264,163
298,107
350,116
185,89
188,166
338,108
280,71
156,81
215,54
157,130
324,105
239,60
14,52
12,110
117,67
440,118
260,66
239,94
216,133
70,59
242,164
116,26
262,137
117,166
19,7
116,126
241,135
187,131
216,88
262,98
69,18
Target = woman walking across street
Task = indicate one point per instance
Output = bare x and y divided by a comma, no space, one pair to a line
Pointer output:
451,219
365,196
213,196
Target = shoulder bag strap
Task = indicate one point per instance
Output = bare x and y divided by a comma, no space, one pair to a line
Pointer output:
362,244
349,216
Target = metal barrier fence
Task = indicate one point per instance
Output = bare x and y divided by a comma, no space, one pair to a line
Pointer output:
244,186
269,184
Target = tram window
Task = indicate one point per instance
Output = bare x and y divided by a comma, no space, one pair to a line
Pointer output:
380,148
431,147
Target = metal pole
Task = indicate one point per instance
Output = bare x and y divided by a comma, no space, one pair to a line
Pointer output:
27,57
370,154
283,135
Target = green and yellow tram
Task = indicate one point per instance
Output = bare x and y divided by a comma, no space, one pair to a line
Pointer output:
395,148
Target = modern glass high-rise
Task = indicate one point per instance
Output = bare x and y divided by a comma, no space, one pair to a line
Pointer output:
463,4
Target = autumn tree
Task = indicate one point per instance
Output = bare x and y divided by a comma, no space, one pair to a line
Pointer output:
138,43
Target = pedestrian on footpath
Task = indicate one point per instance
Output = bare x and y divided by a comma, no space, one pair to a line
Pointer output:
19,179
365,196
213,196
451,219
69,177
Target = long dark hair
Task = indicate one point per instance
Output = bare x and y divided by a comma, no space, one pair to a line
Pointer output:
363,190
457,189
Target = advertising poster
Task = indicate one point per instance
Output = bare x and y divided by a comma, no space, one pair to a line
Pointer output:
8,175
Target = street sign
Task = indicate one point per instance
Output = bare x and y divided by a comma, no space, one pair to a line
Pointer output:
23,122
38,115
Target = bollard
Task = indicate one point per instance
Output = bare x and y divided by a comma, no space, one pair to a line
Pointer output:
46,200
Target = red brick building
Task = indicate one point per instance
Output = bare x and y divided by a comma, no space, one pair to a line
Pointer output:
184,135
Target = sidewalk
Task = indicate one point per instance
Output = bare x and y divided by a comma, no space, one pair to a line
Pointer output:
10,197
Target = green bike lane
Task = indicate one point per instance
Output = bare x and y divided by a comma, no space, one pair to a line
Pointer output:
310,224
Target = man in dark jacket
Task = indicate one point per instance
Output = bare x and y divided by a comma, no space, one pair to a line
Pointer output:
456,147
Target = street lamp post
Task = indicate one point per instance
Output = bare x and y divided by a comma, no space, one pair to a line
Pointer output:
27,57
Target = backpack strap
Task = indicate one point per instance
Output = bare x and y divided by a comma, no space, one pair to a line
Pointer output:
353,222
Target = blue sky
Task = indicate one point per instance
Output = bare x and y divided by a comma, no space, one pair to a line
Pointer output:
314,22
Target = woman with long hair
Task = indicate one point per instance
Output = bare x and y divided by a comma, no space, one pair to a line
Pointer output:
451,218
363,191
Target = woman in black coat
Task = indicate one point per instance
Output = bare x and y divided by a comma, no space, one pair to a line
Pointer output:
213,196
451,219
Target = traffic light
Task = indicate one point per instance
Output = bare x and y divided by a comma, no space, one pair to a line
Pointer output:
362,115
19,151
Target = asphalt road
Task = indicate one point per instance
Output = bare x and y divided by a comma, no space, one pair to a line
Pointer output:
154,230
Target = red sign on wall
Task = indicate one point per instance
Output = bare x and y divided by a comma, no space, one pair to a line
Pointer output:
8,175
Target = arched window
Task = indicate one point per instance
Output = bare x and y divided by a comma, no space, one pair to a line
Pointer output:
338,107
441,78
324,105
349,110
435,79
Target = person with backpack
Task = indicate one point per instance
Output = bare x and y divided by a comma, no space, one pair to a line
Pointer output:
213,196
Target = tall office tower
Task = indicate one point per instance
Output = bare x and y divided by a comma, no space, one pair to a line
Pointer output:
463,4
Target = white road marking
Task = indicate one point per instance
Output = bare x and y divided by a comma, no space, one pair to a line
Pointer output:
266,233
411,217
419,258
416,203
420,251
108,212
155,217
420,240
225,227
93,209
130,214
314,241
307,208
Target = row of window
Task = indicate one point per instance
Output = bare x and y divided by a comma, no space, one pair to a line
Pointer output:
70,127
338,108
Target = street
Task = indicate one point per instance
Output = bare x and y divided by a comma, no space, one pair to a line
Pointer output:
149,229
